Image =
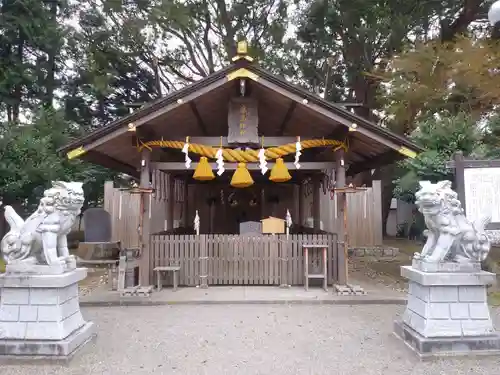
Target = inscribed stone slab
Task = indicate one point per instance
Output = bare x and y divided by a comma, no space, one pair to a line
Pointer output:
97,225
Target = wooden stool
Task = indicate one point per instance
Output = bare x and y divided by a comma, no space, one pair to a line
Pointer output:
175,274
308,276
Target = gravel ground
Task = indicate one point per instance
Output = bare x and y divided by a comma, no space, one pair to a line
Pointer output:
251,339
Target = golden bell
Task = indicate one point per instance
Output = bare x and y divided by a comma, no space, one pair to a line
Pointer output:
280,173
241,177
203,170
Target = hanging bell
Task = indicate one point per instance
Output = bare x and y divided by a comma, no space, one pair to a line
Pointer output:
203,170
280,173
241,177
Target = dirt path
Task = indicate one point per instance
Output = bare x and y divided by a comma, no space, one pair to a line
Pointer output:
95,279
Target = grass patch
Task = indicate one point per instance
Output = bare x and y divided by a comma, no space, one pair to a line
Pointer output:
494,298
2,266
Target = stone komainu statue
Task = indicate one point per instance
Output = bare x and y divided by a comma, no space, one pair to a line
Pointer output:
41,239
450,236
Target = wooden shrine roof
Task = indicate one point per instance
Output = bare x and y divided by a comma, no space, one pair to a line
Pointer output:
201,110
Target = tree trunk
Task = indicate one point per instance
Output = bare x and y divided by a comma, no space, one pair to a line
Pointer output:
17,93
52,52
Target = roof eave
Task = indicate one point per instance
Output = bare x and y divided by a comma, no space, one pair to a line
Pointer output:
148,109
339,110
223,73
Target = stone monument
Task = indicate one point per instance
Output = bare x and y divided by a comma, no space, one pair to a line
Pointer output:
97,225
97,243
39,310
447,311
251,228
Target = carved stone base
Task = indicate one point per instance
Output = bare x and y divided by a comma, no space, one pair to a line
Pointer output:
424,266
447,346
29,268
447,313
40,315
19,351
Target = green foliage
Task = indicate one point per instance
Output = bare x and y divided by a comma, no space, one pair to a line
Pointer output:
432,77
121,55
341,42
449,133
126,53
441,137
491,139
29,162
429,165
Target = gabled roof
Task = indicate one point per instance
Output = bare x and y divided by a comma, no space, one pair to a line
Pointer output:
148,108
243,69
335,108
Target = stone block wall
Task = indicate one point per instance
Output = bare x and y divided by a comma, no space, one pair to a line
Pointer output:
376,251
448,311
39,313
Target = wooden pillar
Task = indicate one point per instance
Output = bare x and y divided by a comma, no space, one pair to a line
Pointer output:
145,261
459,177
295,209
185,208
316,208
262,203
211,212
342,251
377,212
171,202
203,262
301,203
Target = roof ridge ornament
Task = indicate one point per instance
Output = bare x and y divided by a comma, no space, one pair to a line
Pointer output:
242,52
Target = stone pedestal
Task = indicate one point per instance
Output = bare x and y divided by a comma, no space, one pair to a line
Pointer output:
447,312
40,315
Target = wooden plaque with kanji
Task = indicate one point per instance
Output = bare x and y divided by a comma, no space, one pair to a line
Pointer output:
243,121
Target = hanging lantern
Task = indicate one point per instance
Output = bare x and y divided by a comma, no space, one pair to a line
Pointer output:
203,170
241,177
280,173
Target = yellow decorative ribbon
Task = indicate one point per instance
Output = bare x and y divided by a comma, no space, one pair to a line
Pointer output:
245,156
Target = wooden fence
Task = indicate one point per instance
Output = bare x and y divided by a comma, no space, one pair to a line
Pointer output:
364,211
364,217
124,208
243,260
364,214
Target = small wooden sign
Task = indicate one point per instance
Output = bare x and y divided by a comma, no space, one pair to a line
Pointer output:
243,121
273,225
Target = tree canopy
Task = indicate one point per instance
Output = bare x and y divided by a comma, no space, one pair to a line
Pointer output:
68,67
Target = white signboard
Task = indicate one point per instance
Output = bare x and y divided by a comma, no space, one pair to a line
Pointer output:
482,193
